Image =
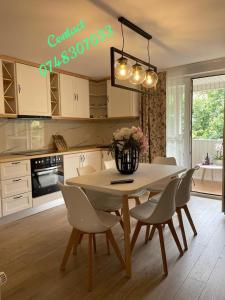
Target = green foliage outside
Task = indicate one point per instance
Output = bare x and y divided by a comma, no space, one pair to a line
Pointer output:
208,114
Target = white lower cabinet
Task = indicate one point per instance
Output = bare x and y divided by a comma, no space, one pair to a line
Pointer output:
16,186
71,162
93,159
14,169
106,156
16,203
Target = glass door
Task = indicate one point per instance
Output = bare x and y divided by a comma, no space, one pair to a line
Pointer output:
207,133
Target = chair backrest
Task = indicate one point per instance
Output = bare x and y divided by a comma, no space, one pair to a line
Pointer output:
166,206
184,189
81,214
85,170
164,160
110,164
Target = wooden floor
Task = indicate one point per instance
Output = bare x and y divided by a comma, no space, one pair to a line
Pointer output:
31,250
208,187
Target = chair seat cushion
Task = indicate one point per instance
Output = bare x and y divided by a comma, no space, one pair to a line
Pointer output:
143,211
103,201
107,219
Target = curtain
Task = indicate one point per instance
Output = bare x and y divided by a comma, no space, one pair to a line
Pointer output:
177,119
153,119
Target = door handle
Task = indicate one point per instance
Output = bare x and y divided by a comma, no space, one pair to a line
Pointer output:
15,180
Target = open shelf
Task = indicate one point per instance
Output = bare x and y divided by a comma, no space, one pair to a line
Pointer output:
54,87
8,71
98,99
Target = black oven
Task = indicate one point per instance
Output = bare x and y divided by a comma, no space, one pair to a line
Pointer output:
46,172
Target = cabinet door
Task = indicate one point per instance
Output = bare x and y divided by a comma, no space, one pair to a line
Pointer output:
14,169
82,91
93,159
71,162
106,156
121,103
67,96
33,91
1,90
16,203
15,186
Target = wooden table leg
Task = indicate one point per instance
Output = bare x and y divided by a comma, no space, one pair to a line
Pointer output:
126,221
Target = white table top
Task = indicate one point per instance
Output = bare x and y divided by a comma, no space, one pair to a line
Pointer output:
146,175
211,167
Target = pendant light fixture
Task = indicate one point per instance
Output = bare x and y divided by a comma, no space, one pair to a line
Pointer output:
122,66
151,77
131,70
137,74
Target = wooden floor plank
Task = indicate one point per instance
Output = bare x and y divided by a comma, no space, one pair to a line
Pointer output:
31,251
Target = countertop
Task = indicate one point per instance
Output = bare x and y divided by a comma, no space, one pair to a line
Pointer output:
14,157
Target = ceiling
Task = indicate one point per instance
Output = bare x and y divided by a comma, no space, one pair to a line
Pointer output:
183,31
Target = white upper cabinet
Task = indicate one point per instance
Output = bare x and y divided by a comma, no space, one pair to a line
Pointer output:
33,91
83,106
1,90
74,96
67,96
121,103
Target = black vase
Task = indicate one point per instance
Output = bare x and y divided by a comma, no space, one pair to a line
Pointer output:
127,161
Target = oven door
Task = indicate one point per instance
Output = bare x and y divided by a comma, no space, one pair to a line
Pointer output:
44,181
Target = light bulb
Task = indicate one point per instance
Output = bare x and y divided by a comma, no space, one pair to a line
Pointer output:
122,69
137,75
151,79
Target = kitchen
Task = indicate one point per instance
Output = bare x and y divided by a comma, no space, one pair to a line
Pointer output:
86,90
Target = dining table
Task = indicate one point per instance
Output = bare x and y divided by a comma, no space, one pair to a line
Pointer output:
146,175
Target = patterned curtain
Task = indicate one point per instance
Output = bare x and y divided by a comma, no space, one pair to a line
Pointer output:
153,119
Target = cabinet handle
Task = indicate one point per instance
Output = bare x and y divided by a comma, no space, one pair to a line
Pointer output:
16,162
15,180
17,197
19,88
75,97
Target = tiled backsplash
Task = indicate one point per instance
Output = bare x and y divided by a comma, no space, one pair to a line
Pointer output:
25,135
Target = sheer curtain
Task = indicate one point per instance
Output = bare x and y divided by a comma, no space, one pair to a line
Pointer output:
177,118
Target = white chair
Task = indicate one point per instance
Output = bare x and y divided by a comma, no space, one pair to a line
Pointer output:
158,214
110,164
101,201
182,197
86,220
160,185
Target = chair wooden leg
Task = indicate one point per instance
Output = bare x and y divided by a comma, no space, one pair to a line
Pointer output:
137,201
152,232
147,233
181,224
78,243
163,251
90,238
119,215
108,246
115,246
94,243
190,219
135,235
174,234
73,237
